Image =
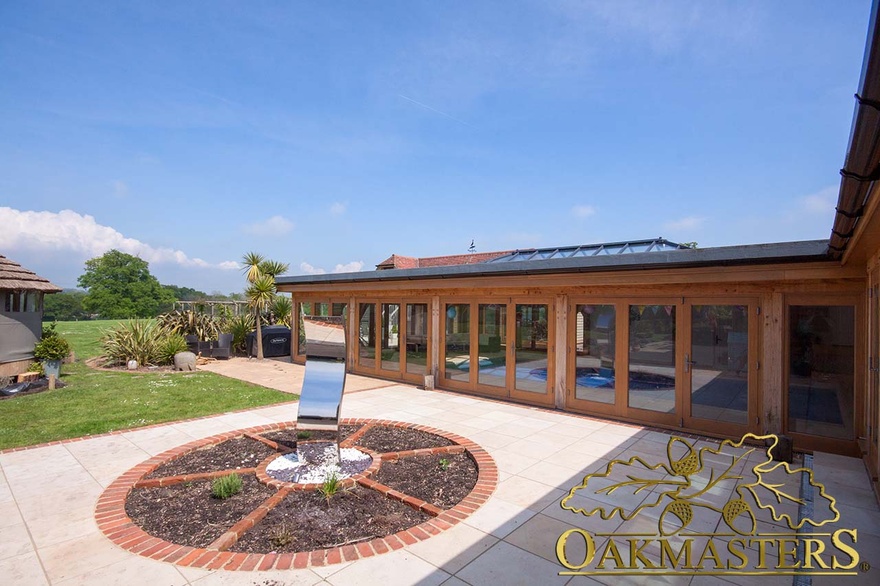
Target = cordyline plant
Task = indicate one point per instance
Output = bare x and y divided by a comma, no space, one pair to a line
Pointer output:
261,274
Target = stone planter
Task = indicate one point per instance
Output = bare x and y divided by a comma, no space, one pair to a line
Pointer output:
52,367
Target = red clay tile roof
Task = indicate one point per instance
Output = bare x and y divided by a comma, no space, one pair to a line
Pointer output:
396,261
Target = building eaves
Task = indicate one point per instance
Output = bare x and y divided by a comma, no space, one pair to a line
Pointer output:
861,169
751,254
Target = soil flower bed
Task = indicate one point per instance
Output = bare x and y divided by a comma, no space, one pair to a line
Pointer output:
421,481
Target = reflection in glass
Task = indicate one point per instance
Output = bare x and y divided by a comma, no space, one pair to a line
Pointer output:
821,370
390,336
652,357
719,362
492,335
532,325
339,309
416,338
367,335
302,309
322,309
458,342
594,353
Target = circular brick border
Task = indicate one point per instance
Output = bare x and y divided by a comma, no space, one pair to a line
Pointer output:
113,521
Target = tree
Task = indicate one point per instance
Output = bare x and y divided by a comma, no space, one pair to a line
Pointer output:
65,306
261,274
120,286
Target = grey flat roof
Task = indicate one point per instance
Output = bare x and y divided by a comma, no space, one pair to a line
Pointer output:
749,254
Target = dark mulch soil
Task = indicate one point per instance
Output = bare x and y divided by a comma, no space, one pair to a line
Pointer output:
424,477
386,438
240,452
305,521
187,514
288,437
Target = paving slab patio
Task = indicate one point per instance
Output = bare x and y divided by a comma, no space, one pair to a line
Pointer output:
48,494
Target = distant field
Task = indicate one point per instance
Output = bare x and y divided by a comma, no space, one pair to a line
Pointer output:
96,401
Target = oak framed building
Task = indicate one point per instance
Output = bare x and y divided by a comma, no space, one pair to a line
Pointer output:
779,338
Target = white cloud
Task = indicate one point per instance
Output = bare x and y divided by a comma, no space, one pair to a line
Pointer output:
583,211
822,202
120,189
310,270
351,267
688,223
337,209
69,231
274,226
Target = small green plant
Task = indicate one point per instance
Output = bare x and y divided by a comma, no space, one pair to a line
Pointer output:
281,537
52,347
443,464
330,487
239,326
35,367
171,345
226,486
303,435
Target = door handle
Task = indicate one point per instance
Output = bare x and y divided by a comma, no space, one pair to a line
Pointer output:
688,363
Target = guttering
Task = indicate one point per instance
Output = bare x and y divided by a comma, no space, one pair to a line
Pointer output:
861,168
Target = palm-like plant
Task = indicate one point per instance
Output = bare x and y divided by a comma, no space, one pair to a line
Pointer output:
261,274
260,295
272,267
252,262
281,309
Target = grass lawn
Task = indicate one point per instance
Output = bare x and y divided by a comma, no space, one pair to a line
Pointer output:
96,401
85,336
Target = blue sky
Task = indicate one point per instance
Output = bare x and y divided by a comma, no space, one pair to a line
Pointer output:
331,135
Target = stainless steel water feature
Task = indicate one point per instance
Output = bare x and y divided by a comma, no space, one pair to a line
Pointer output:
324,382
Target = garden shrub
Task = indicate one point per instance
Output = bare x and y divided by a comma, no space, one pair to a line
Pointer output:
226,486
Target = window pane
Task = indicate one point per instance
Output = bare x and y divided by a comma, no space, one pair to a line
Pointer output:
339,309
492,360
821,370
390,336
594,353
531,348
322,309
367,335
719,362
652,357
31,302
458,342
416,338
303,309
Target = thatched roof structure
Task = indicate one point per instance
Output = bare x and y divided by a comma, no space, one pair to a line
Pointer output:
16,277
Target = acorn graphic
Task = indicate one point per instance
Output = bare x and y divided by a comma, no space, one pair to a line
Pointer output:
738,515
687,464
679,509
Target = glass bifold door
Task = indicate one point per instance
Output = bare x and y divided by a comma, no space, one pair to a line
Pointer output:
688,364
393,338
499,348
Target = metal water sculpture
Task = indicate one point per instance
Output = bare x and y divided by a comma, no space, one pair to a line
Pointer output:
324,382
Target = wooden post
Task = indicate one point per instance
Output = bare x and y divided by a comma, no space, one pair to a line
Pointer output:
561,350
51,381
772,363
435,337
